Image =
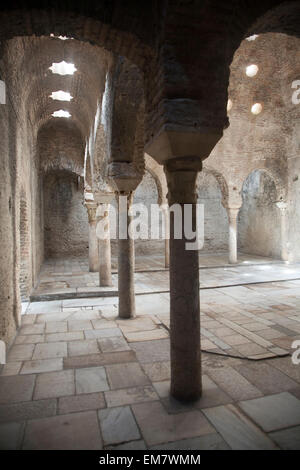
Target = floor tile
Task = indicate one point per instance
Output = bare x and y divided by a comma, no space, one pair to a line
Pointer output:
234,384
237,430
45,365
126,375
21,352
103,333
273,412
118,425
16,388
266,378
128,396
84,402
91,380
54,384
11,435
209,442
27,410
49,350
158,427
81,348
76,431
113,344
287,439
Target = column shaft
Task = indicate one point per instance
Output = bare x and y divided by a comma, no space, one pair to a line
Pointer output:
232,239
125,259
93,241
105,250
184,294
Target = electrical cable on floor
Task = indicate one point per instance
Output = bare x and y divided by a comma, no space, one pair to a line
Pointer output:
232,355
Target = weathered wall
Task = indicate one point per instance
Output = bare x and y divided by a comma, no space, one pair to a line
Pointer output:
147,194
259,220
215,216
66,221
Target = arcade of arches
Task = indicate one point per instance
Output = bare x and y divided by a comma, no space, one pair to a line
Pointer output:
159,103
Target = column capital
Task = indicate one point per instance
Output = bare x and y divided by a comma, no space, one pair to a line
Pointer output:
232,212
91,210
124,176
176,142
181,174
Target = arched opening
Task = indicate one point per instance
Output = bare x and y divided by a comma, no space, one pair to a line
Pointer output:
215,216
66,224
259,220
147,195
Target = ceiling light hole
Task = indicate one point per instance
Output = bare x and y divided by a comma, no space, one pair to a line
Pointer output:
251,70
252,38
61,95
256,108
63,68
61,113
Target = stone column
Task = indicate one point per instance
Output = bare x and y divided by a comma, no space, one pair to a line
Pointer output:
181,176
93,241
125,178
232,239
166,222
104,247
126,258
283,209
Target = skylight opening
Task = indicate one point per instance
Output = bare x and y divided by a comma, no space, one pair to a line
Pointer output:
61,95
252,38
61,113
256,108
63,68
62,38
251,70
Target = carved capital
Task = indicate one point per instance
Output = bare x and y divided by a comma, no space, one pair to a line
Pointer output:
91,210
181,176
124,176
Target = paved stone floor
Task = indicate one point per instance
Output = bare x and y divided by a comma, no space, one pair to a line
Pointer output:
77,377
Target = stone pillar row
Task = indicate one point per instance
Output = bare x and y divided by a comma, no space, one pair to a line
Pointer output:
232,213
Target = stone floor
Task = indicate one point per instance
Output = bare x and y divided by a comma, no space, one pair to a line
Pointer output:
71,276
77,377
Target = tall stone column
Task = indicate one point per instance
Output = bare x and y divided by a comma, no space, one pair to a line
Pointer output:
232,238
166,222
125,179
181,176
93,240
126,257
104,247
283,210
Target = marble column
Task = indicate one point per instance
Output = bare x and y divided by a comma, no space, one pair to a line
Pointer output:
93,241
125,178
126,257
283,209
232,238
184,285
104,246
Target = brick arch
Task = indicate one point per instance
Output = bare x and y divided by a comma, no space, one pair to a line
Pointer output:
220,179
278,182
107,24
